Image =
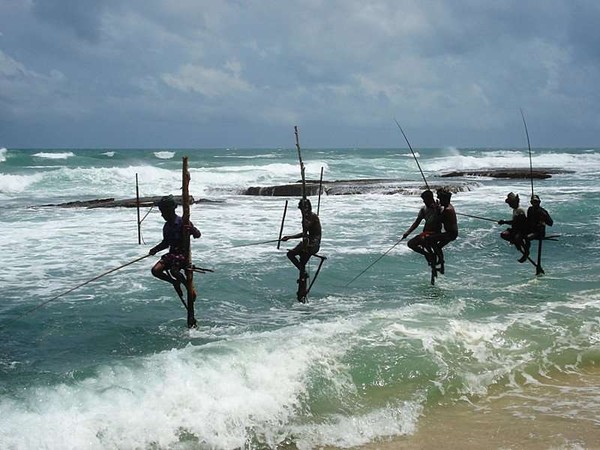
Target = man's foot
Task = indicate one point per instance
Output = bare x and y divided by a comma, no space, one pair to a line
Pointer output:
523,258
441,268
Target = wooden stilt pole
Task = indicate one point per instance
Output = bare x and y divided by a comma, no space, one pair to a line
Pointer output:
137,203
538,267
189,272
281,228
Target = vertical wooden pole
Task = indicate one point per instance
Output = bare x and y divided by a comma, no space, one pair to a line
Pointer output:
137,198
302,173
189,273
538,268
320,189
281,228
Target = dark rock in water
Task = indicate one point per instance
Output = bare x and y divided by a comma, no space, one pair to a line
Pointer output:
352,187
506,173
145,202
286,190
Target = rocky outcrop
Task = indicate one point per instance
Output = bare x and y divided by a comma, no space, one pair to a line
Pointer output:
353,187
145,202
506,173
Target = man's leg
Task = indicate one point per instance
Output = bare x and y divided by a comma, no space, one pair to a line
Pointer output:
159,271
292,256
178,279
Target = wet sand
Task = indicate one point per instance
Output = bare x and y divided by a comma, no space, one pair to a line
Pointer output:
563,412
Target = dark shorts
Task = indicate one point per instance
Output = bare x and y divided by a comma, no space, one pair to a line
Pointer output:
173,261
310,248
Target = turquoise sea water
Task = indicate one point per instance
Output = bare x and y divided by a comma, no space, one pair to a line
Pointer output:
112,364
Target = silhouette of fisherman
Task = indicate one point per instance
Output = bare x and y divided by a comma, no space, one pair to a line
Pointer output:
537,219
430,212
168,268
311,239
517,233
439,240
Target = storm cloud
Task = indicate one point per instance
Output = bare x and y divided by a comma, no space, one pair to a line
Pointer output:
224,73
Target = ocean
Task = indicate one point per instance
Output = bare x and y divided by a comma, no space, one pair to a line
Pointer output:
387,360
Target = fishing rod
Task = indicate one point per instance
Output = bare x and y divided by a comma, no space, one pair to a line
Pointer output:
374,262
413,153
256,243
529,147
477,217
77,287
302,173
320,189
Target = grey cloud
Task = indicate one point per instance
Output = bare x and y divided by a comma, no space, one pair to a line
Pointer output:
455,72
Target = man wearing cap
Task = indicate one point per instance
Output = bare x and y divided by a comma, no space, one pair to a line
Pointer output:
537,219
517,232
168,268
450,224
430,212
311,238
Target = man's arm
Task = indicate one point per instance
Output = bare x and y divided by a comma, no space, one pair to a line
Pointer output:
159,247
412,227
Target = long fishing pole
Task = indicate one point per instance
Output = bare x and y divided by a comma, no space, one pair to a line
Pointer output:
320,189
413,153
256,243
477,217
529,147
77,287
302,173
374,262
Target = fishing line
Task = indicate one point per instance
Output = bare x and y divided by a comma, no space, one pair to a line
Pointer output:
76,287
413,153
373,263
477,217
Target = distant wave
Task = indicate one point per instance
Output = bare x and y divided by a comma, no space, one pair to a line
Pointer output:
164,155
51,155
267,155
3,154
109,154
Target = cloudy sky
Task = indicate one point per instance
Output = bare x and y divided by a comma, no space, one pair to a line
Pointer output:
242,73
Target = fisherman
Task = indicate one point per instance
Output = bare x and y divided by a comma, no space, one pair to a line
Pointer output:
311,239
433,225
448,219
537,219
169,267
517,233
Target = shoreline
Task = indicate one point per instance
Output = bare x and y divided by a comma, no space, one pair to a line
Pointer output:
561,412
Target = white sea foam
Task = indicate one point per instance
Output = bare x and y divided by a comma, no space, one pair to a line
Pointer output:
164,155
513,159
54,155
224,393
3,152
15,184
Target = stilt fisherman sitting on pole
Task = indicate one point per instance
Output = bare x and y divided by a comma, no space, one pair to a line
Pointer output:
448,218
311,239
517,233
430,212
537,219
169,267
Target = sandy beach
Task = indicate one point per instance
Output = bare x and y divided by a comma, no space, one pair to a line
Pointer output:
561,412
